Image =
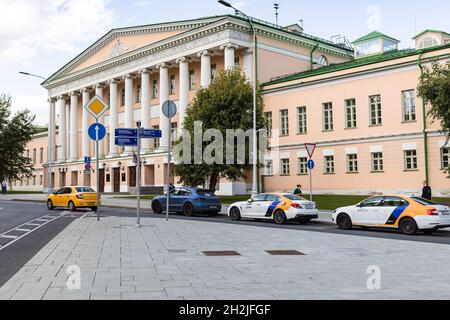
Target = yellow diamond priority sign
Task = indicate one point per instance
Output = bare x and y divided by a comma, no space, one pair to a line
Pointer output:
96,107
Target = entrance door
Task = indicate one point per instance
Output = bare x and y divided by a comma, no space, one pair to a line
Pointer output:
132,176
102,180
62,179
116,180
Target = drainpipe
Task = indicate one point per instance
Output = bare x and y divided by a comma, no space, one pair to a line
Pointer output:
424,120
311,55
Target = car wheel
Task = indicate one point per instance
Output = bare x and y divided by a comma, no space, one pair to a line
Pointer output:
156,207
50,205
408,226
302,221
72,206
344,222
188,209
279,217
235,214
429,231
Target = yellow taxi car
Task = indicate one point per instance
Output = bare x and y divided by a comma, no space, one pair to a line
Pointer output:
73,198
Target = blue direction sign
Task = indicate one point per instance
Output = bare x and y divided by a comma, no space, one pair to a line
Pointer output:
311,164
126,142
87,160
148,133
126,133
97,131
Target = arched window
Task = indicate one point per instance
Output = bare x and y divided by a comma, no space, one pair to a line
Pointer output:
323,61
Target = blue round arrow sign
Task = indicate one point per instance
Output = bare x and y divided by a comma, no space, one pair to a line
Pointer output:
97,131
311,164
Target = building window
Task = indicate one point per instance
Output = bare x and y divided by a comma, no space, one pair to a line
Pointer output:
138,93
34,180
173,131
28,154
285,167
213,71
34,156
301,120
124,177
302,165
237,63
269,123
328,117
323,61
409,105
352,163
284,122
109,98
375,110
191,80
410,160
269,168
108,178
350,113
155,141
155,89
122,97
41,155
329,164
377,162
41,180
172,84
445,158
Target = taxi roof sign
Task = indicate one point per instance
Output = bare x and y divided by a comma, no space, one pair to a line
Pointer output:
96,107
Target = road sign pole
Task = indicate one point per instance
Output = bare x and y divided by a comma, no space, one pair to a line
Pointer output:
168,170
310,184
97,162
138,223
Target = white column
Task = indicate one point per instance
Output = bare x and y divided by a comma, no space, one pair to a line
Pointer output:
85,143
73,126
247,63
163,97
101,145
184,88
113,117
205,68
145,106
62,129
229,52
51,138
129,115
68,127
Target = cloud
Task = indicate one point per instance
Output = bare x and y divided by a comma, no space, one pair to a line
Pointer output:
37,104
52,25
141,3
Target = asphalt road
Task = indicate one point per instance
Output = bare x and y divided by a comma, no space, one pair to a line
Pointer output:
30,238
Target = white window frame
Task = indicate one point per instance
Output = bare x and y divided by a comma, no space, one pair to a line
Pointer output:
350,114
155,89
172,84
327,115
302,166
284,122
285,167
352,163
138,93
377,162
329,167
445,158
375,111
269,118
269,168
410,158
409,106
191,80
302,120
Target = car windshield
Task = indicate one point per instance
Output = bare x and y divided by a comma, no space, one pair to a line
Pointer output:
205,193
424,202
84,189
293,197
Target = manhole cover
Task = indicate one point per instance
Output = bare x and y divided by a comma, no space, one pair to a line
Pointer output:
285,253
221,253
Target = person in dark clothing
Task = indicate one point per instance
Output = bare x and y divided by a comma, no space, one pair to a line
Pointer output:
298,190
426,191
3,186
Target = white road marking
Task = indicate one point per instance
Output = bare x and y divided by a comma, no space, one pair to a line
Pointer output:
8,236
23,230
32,224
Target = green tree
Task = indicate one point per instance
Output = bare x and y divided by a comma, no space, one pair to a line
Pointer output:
15,132
226,104
434,89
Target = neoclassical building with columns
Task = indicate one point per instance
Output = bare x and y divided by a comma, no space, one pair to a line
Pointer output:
136,69
357,102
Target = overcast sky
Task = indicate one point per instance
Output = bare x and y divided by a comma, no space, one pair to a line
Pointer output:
40,36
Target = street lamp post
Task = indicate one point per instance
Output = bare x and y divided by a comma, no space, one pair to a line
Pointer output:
50,134
255,79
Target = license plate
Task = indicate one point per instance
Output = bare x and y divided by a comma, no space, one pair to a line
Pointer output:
309,206
91,203
445,213
213,207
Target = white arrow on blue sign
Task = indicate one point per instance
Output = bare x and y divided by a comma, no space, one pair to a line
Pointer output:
97,131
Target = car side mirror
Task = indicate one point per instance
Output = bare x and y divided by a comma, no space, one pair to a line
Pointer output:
250,200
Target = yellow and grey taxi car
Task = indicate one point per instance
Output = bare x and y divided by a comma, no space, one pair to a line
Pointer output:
73,198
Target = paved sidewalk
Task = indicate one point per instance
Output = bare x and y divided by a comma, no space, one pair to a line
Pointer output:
164,260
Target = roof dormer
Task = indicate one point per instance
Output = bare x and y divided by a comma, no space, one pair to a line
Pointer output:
374,43
431,38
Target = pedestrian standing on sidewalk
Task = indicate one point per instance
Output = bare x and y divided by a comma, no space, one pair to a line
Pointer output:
426,191
3,187
298,190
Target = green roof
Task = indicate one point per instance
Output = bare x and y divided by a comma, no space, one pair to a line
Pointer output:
396,54
431,30
374,35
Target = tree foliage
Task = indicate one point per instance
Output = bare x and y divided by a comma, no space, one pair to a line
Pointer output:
434,88
226,104
16,131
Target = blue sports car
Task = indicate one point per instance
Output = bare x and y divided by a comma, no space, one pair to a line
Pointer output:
188,201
